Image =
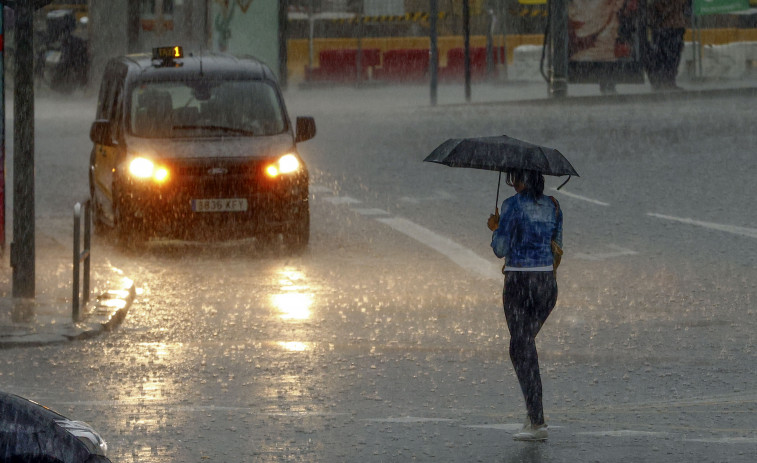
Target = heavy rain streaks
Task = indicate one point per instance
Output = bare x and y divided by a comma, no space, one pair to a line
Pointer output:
372,345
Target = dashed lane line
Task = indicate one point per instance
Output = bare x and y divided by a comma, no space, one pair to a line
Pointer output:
736,230
342,200
582,198
409,420
618,251
370,212
460,255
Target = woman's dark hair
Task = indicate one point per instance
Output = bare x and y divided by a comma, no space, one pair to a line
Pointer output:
533,181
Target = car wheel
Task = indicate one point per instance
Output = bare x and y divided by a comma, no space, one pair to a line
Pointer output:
297,237
129,232
98,225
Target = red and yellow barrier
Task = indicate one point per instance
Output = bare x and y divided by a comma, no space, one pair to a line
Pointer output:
298,49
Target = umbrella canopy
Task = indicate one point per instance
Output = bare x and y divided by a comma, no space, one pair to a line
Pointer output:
501,153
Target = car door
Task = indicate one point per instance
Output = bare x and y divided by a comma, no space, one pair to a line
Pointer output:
105,157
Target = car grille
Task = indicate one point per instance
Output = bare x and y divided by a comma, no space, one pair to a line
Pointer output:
214,176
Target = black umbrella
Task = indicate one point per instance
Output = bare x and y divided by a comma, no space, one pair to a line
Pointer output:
502,154
32,432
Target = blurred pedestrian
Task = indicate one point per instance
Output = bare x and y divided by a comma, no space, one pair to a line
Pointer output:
667,21
523,235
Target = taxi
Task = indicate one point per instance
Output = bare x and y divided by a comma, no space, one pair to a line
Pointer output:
197,147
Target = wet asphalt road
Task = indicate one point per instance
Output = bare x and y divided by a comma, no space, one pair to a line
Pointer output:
372,346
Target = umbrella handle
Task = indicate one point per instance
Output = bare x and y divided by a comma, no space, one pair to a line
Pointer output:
496,203
563,183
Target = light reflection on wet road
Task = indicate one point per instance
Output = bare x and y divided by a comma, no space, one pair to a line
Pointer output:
371,346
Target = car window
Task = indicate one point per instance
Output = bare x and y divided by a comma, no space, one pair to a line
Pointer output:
205,109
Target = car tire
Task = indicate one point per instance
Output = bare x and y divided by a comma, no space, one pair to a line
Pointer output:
129,232
296,237
98,225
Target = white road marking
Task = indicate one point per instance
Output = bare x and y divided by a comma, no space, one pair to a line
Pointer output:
623,433
320,189
736,230
409,419
512,427
370,211
463,257
618,252
342,200
725,440
439,195
582,198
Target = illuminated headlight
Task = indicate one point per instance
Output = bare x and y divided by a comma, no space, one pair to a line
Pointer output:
286,164
144,168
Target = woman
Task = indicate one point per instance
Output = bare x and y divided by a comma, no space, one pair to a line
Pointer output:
523,233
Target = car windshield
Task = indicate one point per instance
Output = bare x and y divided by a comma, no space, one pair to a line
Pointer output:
205,109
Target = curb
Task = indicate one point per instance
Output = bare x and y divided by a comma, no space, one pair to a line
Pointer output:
105,313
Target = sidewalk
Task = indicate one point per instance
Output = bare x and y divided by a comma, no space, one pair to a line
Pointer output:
47,318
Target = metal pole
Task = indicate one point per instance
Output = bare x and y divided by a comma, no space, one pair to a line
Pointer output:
283,58
311,33
503,19
434,51
699,48
490,43
87,248
695,44
466,47
2,131
22,249
558,25
77,258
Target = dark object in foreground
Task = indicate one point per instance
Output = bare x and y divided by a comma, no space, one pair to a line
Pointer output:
30,432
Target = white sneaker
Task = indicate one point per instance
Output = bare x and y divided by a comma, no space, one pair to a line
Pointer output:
532,433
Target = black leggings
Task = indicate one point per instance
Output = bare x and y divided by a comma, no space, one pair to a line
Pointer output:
528,298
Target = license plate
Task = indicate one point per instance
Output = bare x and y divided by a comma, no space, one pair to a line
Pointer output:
219,205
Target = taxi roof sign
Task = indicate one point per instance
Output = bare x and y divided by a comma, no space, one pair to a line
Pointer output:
167,54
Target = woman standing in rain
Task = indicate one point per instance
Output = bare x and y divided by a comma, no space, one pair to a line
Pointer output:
523,235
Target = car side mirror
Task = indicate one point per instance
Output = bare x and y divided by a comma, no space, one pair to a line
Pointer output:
305,129
101,132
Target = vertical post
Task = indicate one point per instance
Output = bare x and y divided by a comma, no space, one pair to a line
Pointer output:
132,26
694,43
22,249
359,56
558,32
283,33
698,48
466,47
311,34
2,130
434,51
490,43
77,258
87,249
503,27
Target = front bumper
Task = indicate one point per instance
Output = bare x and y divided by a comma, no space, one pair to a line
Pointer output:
166,210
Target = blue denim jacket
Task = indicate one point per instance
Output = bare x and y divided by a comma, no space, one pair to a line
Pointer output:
525,231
